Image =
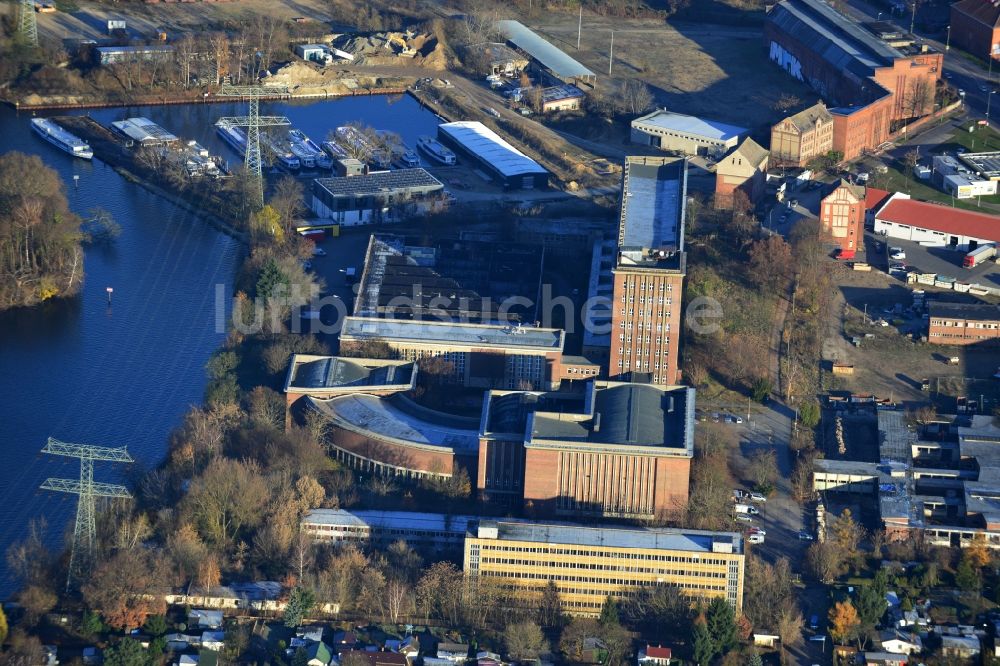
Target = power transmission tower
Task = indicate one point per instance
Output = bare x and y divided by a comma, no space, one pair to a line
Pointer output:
27,27
85,529
253,121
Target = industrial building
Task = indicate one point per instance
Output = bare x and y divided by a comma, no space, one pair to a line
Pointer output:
113,55
799,138
743,170
490,152
589,564
380,197
975,27
649,271
565,97
842,218
934,224
937,482
985,165
421,531
873,88
551,62
963,324
685,134
954,177
143,131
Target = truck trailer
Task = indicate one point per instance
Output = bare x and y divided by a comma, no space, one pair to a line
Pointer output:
979,255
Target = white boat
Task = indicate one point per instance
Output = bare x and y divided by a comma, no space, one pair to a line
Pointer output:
335,150
401,154
282,152
408,158
61,139
234,136
436,151
307,150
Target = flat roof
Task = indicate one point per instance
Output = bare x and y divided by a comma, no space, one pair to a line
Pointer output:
625,414
678,122
548,55
312,372
453,333
490,147
652,209
143,130
411,520
379,182
694,541
972,311
391,418
557,93
852,467
985,164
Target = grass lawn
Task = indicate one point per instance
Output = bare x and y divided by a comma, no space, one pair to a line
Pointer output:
896,180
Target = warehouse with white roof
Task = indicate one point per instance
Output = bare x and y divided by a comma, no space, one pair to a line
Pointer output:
553,61
686,134
492,154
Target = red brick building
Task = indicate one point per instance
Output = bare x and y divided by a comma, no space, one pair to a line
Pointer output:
741,170
649,271
842,218
872,87
627,455
963,324
975,27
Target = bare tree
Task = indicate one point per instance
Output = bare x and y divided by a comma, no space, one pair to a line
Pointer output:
636,97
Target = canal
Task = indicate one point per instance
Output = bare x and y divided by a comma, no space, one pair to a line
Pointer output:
84,371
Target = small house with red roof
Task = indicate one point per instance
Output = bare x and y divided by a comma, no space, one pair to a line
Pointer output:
654,655
934,224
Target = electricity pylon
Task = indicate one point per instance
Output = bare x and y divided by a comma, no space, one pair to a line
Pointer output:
253,121
27,27
85,529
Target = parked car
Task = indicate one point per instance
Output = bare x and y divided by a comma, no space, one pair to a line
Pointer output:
743,518
756,530
805,536
319,252
755,538
757,497
898,254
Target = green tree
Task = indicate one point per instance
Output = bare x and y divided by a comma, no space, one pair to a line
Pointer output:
609,611
754,659
870,605
127,652
269,279
90,624
761,389
966,577
300,602
156,625
720,619
809,414
704,646
301,657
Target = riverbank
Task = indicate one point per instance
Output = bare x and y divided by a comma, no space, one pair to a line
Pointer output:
200,197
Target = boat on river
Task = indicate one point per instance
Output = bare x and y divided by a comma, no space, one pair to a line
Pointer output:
61,139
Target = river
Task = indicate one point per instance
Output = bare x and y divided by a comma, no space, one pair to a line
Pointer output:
123,374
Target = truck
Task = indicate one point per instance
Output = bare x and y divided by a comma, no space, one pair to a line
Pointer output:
979,255
746,509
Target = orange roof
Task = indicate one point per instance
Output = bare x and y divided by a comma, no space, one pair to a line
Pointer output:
938,217
658,652
874,197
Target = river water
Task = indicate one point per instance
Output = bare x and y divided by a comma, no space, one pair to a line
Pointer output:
84,371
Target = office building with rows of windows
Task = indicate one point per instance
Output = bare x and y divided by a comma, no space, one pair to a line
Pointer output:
649,271
587,564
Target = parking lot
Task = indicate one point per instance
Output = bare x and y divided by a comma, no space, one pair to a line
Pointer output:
940,260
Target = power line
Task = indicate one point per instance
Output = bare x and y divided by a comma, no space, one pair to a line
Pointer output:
27,27
253,121
87,490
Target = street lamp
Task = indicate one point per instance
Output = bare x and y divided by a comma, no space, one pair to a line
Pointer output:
989,98
879,17
947,41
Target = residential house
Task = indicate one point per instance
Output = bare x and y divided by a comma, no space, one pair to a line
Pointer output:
319,654
307,635
960,647
179,642
453,652
654,655
741,170
842,218
884,659
485,658
212,640
766,640
205,619
344,640
900,642
378,658
187,660
799,138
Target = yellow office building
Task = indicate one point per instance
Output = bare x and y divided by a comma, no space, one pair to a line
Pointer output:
589,563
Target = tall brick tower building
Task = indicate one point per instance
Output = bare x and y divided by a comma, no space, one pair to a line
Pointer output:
649,271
